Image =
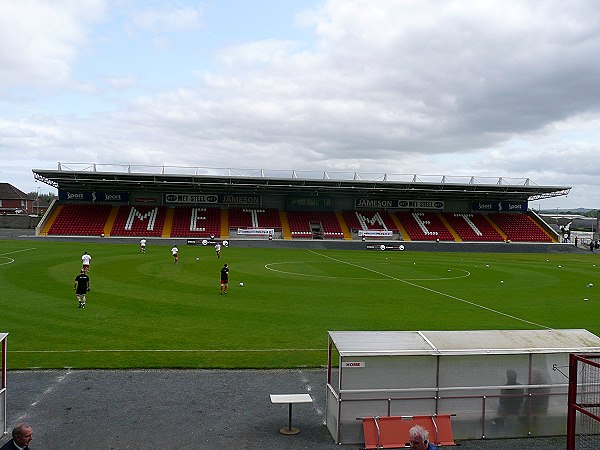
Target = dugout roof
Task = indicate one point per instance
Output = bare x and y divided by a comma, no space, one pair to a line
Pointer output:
174,179
378,343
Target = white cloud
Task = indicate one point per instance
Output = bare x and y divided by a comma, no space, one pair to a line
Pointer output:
122,82
41,40
494,88
173,17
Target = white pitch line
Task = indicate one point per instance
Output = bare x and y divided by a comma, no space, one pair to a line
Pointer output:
434,291
243,350
308,388
268,267
17,251
58,380
10,260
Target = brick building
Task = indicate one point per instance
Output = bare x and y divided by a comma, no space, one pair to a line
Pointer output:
15,201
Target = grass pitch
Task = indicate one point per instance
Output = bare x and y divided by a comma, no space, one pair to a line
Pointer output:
144,311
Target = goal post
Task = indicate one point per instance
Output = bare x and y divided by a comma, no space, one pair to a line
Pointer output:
583,415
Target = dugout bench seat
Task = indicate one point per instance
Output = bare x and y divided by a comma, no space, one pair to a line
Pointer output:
392,431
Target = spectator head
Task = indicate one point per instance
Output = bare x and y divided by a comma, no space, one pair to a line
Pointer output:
22,434
511,376
418,437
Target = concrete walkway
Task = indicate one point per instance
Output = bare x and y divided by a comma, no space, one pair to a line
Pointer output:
183,409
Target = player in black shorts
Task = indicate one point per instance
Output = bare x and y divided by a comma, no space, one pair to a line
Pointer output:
224,279
81,286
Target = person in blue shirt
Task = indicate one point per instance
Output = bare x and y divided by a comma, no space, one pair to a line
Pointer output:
419,439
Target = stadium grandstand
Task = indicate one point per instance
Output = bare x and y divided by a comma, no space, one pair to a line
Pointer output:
198,202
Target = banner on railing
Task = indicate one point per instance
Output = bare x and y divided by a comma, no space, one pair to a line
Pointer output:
259,231
375,233
205,242
384,247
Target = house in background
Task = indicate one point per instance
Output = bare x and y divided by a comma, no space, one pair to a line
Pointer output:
15,201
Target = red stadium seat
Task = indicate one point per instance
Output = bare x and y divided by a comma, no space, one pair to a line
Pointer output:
392,431
80,220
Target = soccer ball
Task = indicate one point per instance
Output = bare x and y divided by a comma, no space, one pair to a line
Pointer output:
401,247
242,284
197,259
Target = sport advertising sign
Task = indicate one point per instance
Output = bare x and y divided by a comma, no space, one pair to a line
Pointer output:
499,206
93,196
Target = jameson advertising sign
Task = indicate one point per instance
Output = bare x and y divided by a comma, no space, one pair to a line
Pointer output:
380,203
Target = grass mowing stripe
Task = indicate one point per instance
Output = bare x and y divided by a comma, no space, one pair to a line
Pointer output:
145,312
436,292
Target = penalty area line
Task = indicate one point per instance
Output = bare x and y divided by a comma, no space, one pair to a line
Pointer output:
243,350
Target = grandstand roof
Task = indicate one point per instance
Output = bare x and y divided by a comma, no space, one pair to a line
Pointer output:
175,179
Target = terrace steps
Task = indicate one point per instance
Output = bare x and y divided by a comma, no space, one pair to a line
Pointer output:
285,225
224,224
344,226
401,229
168,226
110,221
457,238
50,221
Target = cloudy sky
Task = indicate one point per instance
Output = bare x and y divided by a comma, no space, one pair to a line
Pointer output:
487,89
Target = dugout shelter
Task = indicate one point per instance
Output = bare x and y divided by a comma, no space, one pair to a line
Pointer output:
409,373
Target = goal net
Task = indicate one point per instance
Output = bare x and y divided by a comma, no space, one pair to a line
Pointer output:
583,417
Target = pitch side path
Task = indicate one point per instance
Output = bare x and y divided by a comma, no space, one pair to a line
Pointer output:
183,409
197,409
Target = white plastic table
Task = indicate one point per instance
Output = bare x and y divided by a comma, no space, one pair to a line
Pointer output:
290,399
